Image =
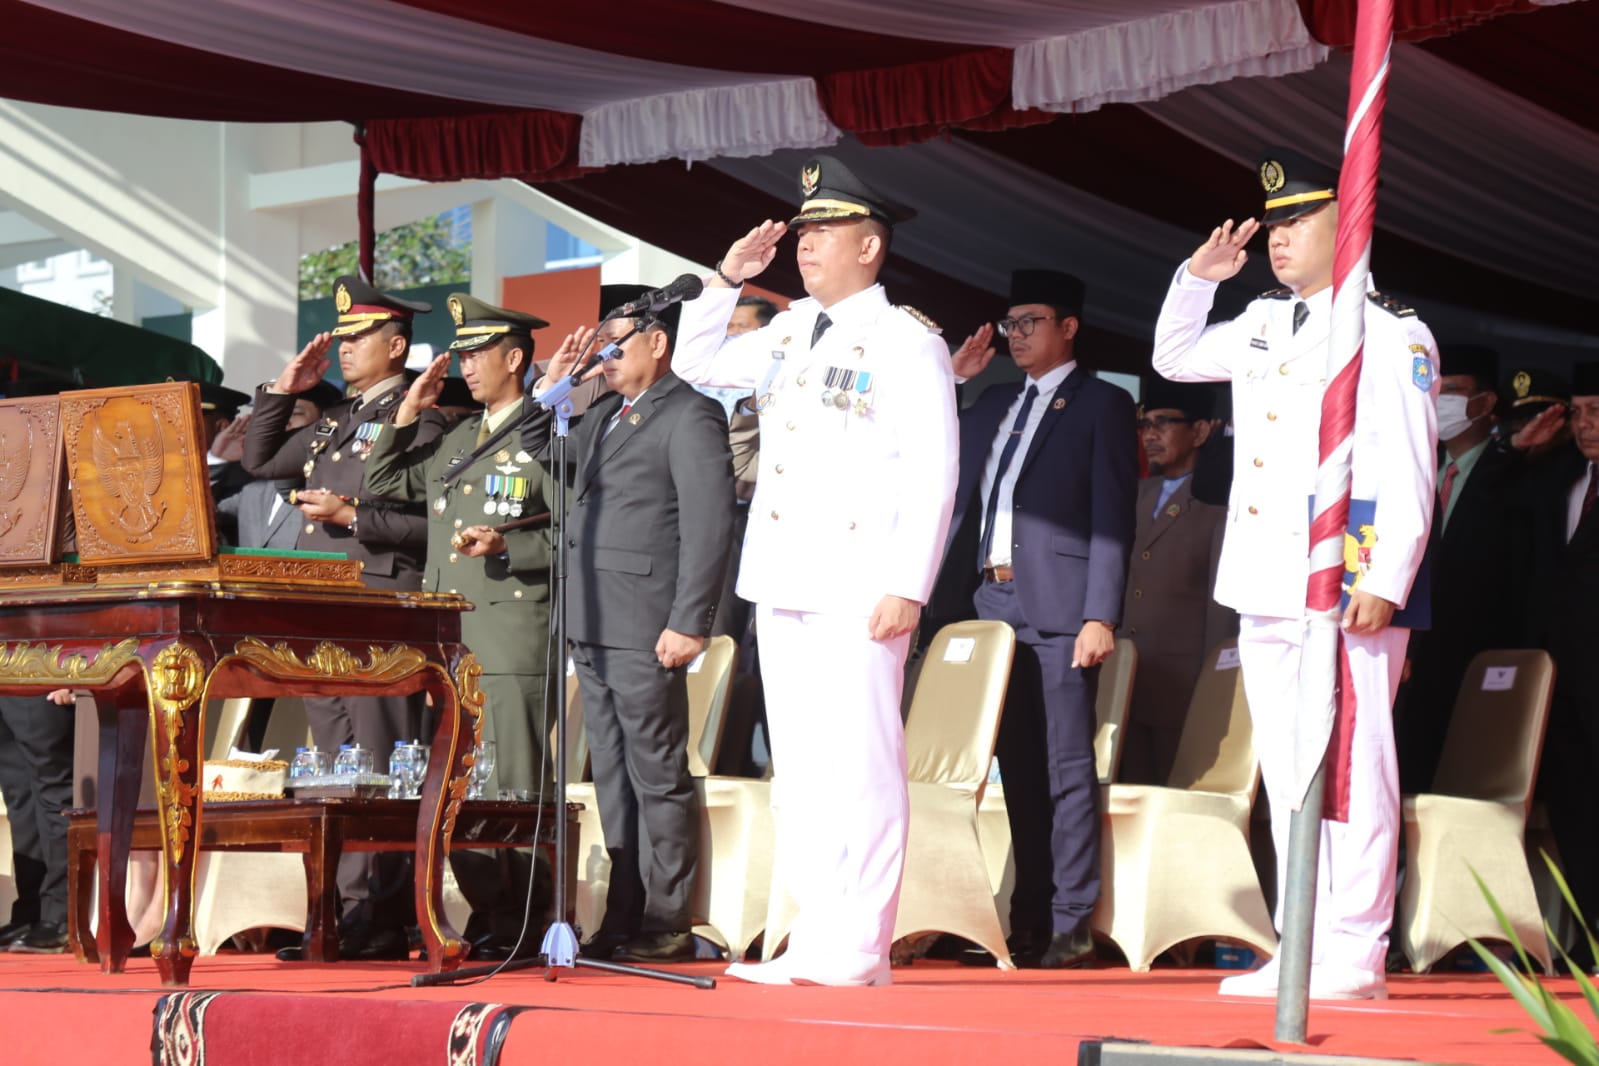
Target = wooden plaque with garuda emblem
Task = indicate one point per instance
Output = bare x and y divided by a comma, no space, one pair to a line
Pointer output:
141,492
31,484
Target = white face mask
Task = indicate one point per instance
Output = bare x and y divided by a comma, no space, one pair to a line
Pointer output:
1452,417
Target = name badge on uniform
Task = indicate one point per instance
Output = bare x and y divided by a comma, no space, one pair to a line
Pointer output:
1259,342
326,428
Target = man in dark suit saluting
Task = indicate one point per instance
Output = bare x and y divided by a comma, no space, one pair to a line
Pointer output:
648,531
1042,531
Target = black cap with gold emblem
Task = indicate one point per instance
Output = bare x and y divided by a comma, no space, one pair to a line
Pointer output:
1294,185
830,190
361,307
478,323
1529,390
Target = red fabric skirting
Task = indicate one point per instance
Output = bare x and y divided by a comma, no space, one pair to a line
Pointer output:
531,145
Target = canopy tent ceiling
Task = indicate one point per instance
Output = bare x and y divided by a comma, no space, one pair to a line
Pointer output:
1099,135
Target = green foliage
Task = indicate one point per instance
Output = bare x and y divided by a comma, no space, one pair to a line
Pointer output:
407,257
1562,1031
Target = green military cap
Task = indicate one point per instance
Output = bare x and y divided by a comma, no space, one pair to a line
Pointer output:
478,323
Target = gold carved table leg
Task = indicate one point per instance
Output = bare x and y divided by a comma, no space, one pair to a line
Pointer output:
177,677
460,709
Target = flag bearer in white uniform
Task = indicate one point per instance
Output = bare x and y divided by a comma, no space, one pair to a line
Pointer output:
852,503
1276,356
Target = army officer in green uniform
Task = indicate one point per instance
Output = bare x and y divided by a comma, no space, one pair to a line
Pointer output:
475,482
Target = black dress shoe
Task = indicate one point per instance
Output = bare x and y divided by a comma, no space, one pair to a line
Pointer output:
376,945
493,948
657,948
604,944
42,938
1019,943
11,932
1065,951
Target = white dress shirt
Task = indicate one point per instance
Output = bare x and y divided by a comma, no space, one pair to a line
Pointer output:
1574,502
999,553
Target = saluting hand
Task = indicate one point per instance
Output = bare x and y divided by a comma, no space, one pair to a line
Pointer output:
751,253
1223,255
307,368
424,391
573,347
229,445
974,354
1541,430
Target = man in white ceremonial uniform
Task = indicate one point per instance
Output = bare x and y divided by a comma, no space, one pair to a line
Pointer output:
852,503
1276,355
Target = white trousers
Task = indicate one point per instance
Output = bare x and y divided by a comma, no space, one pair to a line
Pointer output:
838,755
1355,871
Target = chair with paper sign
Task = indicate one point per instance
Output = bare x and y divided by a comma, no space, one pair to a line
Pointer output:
1116,680
1475,817
1157,838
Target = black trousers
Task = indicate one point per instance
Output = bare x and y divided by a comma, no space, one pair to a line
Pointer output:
36,780
636,716
1046,758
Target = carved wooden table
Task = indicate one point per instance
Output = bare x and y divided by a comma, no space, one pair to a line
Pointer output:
154,655
320,830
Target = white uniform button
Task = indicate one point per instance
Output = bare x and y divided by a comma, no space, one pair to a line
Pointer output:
1254,510
310,527
791,425
453,557
1260,462
774,516
852,525
800,382
1271,416
517,594
778,468
1282,368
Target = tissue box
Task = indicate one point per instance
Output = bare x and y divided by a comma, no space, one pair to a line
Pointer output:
244,779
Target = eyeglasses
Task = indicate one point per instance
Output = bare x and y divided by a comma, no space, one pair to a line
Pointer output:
1021,327
1161,422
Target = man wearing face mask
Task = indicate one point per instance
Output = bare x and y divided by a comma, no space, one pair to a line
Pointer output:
1472,604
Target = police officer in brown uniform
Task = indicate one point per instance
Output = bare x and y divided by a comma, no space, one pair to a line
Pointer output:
389,539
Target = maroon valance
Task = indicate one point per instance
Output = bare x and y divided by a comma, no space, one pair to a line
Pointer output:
918,101
530,145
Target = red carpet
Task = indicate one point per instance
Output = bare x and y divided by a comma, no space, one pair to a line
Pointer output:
53,1011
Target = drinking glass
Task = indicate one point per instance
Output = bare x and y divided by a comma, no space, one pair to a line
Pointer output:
482,770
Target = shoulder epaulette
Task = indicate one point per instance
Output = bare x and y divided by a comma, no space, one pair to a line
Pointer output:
932,327
1391,305
1276,294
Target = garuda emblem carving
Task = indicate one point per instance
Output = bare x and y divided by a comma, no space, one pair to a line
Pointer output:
130,473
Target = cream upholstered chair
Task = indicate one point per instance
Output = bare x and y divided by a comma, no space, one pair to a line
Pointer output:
709,679
1116,679
1476,815
949,745
1175,862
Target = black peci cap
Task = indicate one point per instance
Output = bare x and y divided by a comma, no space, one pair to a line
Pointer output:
1054,287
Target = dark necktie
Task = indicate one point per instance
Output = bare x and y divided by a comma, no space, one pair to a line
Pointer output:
1301,312
627,405
355,405
822,322
1593,491
1006,454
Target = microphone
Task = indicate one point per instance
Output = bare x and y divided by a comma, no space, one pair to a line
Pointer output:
560,390
686,287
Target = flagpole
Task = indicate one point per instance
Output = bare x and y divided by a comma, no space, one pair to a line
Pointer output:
1323,654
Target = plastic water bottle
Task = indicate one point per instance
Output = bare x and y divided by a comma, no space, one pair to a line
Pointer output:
304,764
344,762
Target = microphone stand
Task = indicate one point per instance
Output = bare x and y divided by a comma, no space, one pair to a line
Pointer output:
560,948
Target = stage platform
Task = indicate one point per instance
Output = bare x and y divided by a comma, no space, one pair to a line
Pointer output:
54,1010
